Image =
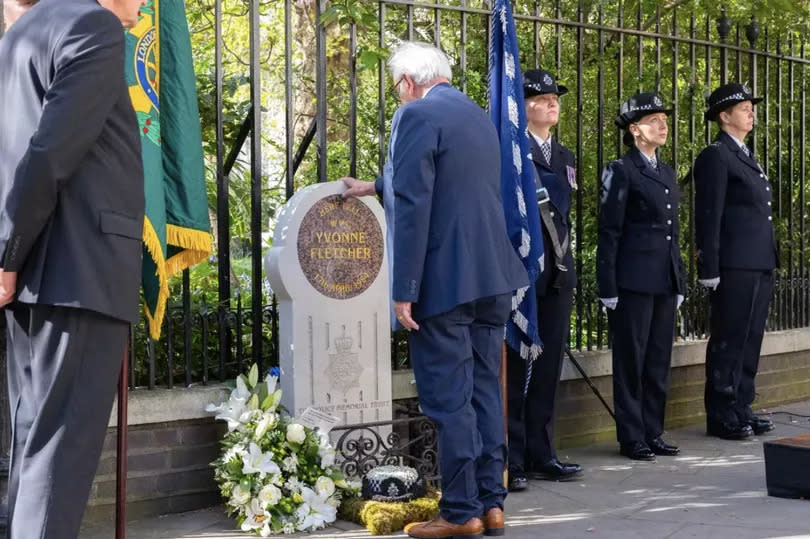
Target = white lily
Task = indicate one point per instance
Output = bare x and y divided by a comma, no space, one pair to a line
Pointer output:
258,462
315,512
271,382
256,518
234,411
267,421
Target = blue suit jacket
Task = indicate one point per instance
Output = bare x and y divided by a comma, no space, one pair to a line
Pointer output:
450,245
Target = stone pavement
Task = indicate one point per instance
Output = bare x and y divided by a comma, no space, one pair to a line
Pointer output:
715,489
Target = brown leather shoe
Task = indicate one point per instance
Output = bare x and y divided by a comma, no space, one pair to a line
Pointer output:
438,528
493,522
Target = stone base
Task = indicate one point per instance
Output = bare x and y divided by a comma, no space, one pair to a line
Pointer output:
787,467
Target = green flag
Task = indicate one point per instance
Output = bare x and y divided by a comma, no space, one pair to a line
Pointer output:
160,76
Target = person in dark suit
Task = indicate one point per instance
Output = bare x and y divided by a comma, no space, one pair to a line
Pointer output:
531,418
640,275
453,278
72,199
737,256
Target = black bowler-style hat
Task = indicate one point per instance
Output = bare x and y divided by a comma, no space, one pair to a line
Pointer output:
726,97
638,106
539,82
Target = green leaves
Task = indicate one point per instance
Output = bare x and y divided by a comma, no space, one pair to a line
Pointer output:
345,12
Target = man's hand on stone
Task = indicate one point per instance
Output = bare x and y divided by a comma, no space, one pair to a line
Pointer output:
8,287
403,311
357,188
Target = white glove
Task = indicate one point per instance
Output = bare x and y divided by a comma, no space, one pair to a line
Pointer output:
610,303
678,301
710,283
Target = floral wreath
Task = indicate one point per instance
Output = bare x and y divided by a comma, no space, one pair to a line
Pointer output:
275,475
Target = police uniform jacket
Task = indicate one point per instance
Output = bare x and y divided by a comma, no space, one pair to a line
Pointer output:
558,179
638,246
733,201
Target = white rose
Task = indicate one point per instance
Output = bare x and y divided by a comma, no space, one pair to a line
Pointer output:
239,496
324,486
296,433
270,495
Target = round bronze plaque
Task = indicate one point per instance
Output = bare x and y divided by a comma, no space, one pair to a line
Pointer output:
340,247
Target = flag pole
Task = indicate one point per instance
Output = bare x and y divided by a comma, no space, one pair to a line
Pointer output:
121,452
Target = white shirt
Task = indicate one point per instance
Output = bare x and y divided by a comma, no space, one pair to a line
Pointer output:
539,140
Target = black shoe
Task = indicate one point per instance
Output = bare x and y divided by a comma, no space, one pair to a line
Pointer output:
554,470
517,481
760,425
729,431
637,451
660,447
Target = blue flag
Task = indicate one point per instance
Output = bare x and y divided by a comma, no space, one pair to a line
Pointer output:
517,179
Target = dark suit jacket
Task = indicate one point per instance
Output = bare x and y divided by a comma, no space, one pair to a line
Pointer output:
71,177
555,179
450,244
733,211
638,246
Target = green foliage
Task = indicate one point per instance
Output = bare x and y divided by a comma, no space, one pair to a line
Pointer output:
586,123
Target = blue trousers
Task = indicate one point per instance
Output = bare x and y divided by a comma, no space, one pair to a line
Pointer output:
456,359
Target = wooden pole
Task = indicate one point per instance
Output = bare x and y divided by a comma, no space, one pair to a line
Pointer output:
121,456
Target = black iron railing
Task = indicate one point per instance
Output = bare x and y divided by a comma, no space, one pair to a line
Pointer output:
603,51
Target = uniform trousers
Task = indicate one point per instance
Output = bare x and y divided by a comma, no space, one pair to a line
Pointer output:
739,311
63,364
531,418
456,358
643,327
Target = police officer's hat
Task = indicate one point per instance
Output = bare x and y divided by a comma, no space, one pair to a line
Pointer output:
726,97
540,81
638,106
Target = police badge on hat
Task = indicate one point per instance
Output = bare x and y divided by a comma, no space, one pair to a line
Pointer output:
726,97
539,82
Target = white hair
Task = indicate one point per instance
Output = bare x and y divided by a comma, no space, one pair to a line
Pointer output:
422,62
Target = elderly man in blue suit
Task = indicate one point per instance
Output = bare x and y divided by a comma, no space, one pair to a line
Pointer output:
454,272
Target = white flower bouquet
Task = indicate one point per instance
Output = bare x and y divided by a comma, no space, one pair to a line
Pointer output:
275,475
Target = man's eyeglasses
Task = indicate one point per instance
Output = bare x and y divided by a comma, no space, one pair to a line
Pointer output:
395,87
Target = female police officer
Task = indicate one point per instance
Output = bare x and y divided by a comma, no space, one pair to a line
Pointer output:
736,258
531,418
640,275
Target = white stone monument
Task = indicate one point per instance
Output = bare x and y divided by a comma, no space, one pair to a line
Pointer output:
329,271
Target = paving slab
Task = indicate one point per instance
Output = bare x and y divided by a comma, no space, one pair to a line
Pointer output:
714,489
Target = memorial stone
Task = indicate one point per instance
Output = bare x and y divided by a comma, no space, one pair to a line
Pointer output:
329,272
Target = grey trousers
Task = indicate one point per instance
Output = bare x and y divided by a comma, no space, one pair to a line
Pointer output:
63,364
